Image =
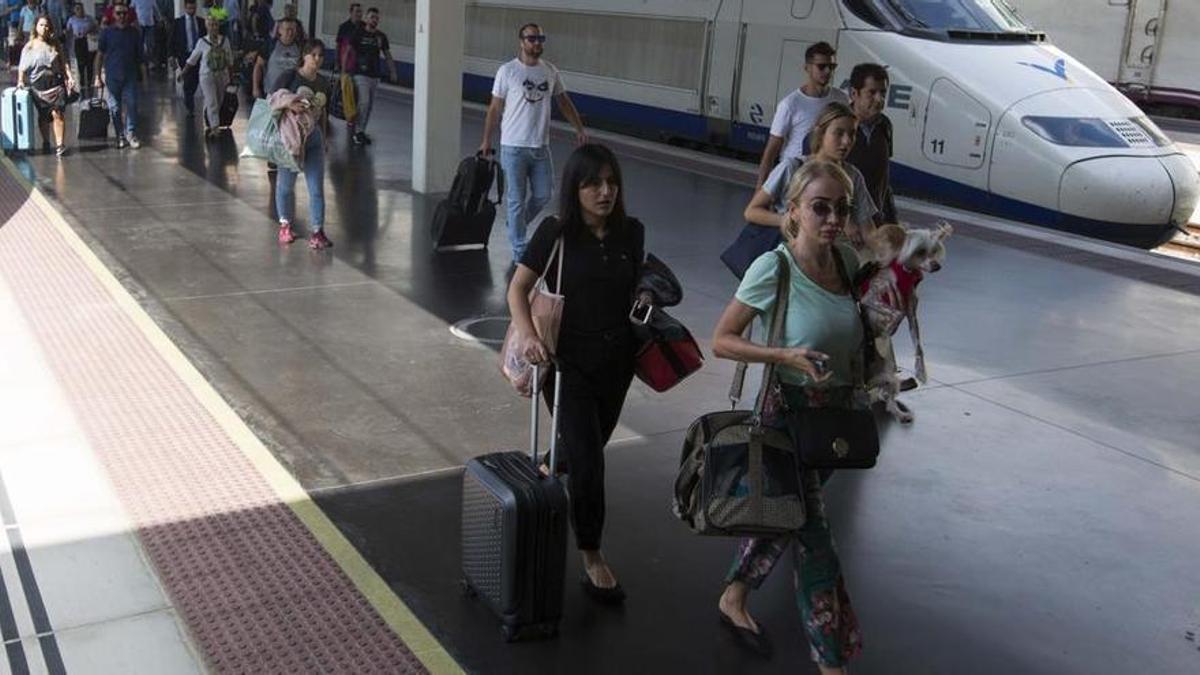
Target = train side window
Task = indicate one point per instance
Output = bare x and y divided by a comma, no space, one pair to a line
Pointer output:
865,10
801,9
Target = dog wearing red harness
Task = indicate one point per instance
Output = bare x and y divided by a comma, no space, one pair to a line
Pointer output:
887,289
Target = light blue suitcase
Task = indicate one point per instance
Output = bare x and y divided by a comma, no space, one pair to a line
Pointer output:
18,119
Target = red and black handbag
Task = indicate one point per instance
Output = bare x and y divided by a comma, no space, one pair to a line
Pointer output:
667,353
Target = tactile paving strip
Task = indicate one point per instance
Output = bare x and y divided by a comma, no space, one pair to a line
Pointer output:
255,588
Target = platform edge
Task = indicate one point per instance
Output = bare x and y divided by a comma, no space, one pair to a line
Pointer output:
390,607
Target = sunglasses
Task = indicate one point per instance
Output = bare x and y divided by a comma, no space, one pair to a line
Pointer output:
534,38
822,209
824,66
121,13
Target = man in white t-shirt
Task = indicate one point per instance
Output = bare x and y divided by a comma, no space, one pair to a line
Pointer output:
796,113
522,91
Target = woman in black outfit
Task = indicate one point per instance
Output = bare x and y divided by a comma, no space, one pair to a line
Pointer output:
603,251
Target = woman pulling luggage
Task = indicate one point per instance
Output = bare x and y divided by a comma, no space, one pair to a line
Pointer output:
602,251
833,135
818,364
43,68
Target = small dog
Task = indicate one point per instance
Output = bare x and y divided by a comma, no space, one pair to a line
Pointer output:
888,293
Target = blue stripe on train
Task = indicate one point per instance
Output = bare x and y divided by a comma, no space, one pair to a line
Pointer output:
648,121
916,183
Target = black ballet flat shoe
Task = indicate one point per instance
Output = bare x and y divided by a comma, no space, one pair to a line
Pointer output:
604,596
755,643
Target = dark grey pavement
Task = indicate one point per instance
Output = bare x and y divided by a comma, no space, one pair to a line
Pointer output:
1041,516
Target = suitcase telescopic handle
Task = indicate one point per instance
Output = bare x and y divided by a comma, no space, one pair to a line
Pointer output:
533,427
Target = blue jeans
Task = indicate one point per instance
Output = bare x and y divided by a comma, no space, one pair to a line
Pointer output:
520,165
314,177
121,95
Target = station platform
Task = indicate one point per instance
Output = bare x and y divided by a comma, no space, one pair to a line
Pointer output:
250,456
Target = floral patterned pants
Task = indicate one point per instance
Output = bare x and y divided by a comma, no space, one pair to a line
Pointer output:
825,610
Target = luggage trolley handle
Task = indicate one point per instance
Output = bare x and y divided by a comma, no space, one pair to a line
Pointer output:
533,427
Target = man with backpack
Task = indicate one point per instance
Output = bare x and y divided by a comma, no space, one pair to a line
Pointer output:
521,93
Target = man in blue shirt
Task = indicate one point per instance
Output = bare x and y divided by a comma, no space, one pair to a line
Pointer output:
120,59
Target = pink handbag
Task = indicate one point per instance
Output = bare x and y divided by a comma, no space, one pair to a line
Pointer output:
545,310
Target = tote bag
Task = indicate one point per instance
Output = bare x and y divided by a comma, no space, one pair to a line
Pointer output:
263,140
545,310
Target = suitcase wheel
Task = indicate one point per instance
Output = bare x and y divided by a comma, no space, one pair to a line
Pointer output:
509,633
467,589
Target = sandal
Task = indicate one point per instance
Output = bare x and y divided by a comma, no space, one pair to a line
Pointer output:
756,643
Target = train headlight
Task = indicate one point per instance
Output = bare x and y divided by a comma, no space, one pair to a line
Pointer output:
1083,132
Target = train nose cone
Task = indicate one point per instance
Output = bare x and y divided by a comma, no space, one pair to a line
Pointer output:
1125,199
1186,179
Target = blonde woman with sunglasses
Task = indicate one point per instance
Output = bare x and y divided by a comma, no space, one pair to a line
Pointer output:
819,361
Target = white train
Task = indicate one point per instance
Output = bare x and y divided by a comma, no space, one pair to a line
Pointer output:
987,113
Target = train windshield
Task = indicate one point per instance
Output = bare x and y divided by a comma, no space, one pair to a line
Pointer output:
975,16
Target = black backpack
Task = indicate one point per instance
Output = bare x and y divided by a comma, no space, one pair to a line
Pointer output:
463,220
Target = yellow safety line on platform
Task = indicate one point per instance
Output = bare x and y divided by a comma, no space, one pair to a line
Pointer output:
390,607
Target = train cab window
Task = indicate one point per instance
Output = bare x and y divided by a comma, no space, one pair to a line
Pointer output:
865,10
1080,132
973,16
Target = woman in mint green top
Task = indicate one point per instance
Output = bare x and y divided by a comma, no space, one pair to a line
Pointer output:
817,317
819,355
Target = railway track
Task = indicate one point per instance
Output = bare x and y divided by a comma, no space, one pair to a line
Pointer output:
1184,245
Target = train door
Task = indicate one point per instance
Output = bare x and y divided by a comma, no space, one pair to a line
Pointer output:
956,126
774,36
723,48
1143,31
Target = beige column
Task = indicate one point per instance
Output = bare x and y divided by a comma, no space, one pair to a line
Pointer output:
437,93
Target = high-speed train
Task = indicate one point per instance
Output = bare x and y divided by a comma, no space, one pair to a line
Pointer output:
988,114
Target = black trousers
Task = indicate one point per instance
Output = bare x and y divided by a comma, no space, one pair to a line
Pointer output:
597,371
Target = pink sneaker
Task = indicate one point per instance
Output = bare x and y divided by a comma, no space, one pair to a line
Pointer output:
319,241
286,236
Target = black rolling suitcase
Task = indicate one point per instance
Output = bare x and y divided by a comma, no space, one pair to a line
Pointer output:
463,220
514,535
94,116
229,106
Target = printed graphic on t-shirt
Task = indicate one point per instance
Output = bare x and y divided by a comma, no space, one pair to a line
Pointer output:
526,91
535,92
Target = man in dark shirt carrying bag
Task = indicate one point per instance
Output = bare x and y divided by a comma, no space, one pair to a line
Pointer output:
872,149
345,30
370,46
119,63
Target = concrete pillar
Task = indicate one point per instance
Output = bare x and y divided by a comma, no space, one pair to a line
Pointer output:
437,93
